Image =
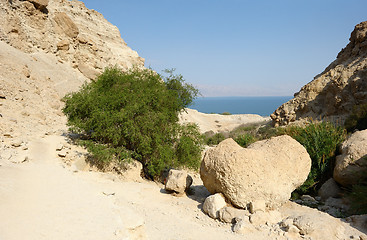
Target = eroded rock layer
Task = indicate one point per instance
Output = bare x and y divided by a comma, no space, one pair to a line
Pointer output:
67,29
333,93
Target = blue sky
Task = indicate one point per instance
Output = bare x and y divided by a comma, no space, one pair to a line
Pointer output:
234,47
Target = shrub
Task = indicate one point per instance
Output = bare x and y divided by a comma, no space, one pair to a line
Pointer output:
134,114
226,113
357,119
245,139
321,141
215,139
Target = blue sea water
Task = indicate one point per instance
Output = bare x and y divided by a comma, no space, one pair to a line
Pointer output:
263,106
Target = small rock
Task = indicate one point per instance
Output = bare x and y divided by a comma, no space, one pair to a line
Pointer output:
260,217
243,226
292,229
307,198
213,204
305,224
329,189
2,95
63,45
258,205
59,147
178,181
62,153
228,214
286,223
20,159
17,143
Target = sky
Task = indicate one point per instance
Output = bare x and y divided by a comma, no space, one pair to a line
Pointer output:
236,47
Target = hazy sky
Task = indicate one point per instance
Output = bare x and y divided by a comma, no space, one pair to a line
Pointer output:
237,47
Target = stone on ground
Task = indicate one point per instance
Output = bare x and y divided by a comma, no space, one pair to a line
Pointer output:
228,214
178,181
351,165
329,189
213,204
269,170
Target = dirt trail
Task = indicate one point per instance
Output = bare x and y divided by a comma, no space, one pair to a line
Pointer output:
44,199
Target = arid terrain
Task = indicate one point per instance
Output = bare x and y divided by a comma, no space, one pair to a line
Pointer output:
48,190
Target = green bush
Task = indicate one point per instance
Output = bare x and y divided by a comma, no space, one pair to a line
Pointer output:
215,139
134,114
245,140
321,141
226,113
357,119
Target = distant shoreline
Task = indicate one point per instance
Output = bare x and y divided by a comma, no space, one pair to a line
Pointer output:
263,106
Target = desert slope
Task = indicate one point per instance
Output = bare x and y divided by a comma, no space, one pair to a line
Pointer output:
333,93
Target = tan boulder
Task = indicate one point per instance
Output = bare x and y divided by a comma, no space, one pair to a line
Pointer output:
178,181
269,170
66,25
351,165
213,204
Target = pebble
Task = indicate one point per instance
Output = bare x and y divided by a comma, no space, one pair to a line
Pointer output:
17,143
62,153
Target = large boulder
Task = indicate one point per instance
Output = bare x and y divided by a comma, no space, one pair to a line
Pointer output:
351,165
267,170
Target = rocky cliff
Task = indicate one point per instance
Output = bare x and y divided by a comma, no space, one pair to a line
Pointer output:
67,29
47,49
333,93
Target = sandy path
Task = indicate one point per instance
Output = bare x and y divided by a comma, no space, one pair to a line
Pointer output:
43,199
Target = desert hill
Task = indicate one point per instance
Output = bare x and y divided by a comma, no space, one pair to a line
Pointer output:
334,92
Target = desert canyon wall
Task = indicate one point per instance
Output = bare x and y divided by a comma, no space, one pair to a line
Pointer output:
333,93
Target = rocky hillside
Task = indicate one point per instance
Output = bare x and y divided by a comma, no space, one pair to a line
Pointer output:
75,34
333,93
47,49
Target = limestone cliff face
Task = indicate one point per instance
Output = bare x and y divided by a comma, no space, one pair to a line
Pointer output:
333,93
49,48
74,33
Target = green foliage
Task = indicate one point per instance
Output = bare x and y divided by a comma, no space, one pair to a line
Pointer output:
357,119
215,139
245,140
135,114
226,113
321,141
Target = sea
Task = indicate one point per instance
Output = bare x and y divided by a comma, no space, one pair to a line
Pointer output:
263,106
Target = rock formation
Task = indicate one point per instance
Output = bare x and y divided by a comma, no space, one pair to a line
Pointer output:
76,35
333,93
48,49
267,170
351,165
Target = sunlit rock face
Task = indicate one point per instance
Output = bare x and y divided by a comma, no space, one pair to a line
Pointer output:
333,93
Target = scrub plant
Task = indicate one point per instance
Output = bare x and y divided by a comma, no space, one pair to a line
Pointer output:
134,114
